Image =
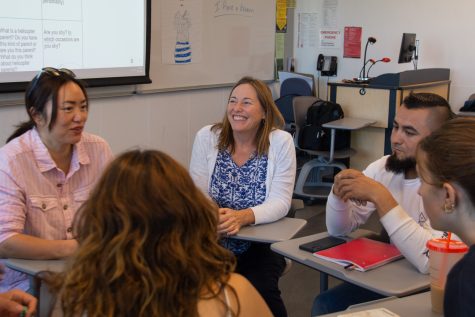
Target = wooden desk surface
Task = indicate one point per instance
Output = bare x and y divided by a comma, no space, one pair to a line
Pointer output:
399,278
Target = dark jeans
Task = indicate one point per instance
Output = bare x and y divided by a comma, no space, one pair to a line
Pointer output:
340,297
263,268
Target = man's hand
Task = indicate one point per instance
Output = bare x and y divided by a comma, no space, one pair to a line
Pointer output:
231,221
343,175
355,186
14,303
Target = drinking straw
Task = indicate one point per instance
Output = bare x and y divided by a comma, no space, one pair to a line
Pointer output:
449,235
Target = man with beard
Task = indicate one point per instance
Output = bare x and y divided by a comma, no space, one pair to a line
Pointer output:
389,187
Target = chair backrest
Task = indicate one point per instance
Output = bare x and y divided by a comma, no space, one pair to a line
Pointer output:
295,86
289,89
284,104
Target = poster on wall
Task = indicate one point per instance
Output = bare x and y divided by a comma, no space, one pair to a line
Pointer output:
330,9
279,50
281,16
181,32
352,42
330,38
307,30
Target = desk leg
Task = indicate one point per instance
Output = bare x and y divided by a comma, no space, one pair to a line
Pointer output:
35,285
332,145
48,302
35,289
323,282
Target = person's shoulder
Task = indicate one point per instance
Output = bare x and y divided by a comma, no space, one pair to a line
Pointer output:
280,136
279,133
471,252
381,162
207,129
467,263
250,301
242,287
18,146
239,282
92,138
462,273
208,133
96,146
376,166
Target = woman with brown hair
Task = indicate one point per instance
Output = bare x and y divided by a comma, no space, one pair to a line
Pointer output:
148,247
246,164
446,166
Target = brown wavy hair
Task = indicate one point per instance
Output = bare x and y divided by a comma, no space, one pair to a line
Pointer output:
273,118
148,243
450,153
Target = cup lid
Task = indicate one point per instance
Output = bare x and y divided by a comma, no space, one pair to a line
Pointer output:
442,245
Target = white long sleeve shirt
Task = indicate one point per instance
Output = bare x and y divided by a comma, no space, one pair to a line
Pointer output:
407,224
280,176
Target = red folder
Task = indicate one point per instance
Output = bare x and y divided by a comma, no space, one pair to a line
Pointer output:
361,254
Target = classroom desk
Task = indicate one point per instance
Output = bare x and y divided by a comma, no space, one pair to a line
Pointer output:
397,278
311,172
32,268
280,230
415,305
345,124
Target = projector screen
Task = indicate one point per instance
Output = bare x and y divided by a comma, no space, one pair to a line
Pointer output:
105,42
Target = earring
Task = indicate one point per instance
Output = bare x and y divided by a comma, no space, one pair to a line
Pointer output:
449,208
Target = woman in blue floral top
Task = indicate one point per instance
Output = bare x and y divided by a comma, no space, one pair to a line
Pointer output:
246,164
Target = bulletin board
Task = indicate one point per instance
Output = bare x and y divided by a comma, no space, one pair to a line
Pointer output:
206,43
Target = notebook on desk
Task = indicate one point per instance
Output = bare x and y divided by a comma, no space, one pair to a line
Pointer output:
361,254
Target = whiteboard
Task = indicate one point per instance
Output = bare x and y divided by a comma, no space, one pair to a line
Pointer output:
225,40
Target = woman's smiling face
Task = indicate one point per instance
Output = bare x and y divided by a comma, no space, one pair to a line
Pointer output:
245,112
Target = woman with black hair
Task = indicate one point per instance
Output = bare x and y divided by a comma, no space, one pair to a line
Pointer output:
47,169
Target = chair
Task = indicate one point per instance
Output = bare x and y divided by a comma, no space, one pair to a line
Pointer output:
468,108
295,86
295,205
313,172
289,89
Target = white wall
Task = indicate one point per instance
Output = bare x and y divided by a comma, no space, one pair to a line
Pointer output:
444,28
164,121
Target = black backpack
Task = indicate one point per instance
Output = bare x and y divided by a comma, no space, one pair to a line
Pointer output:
313,137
